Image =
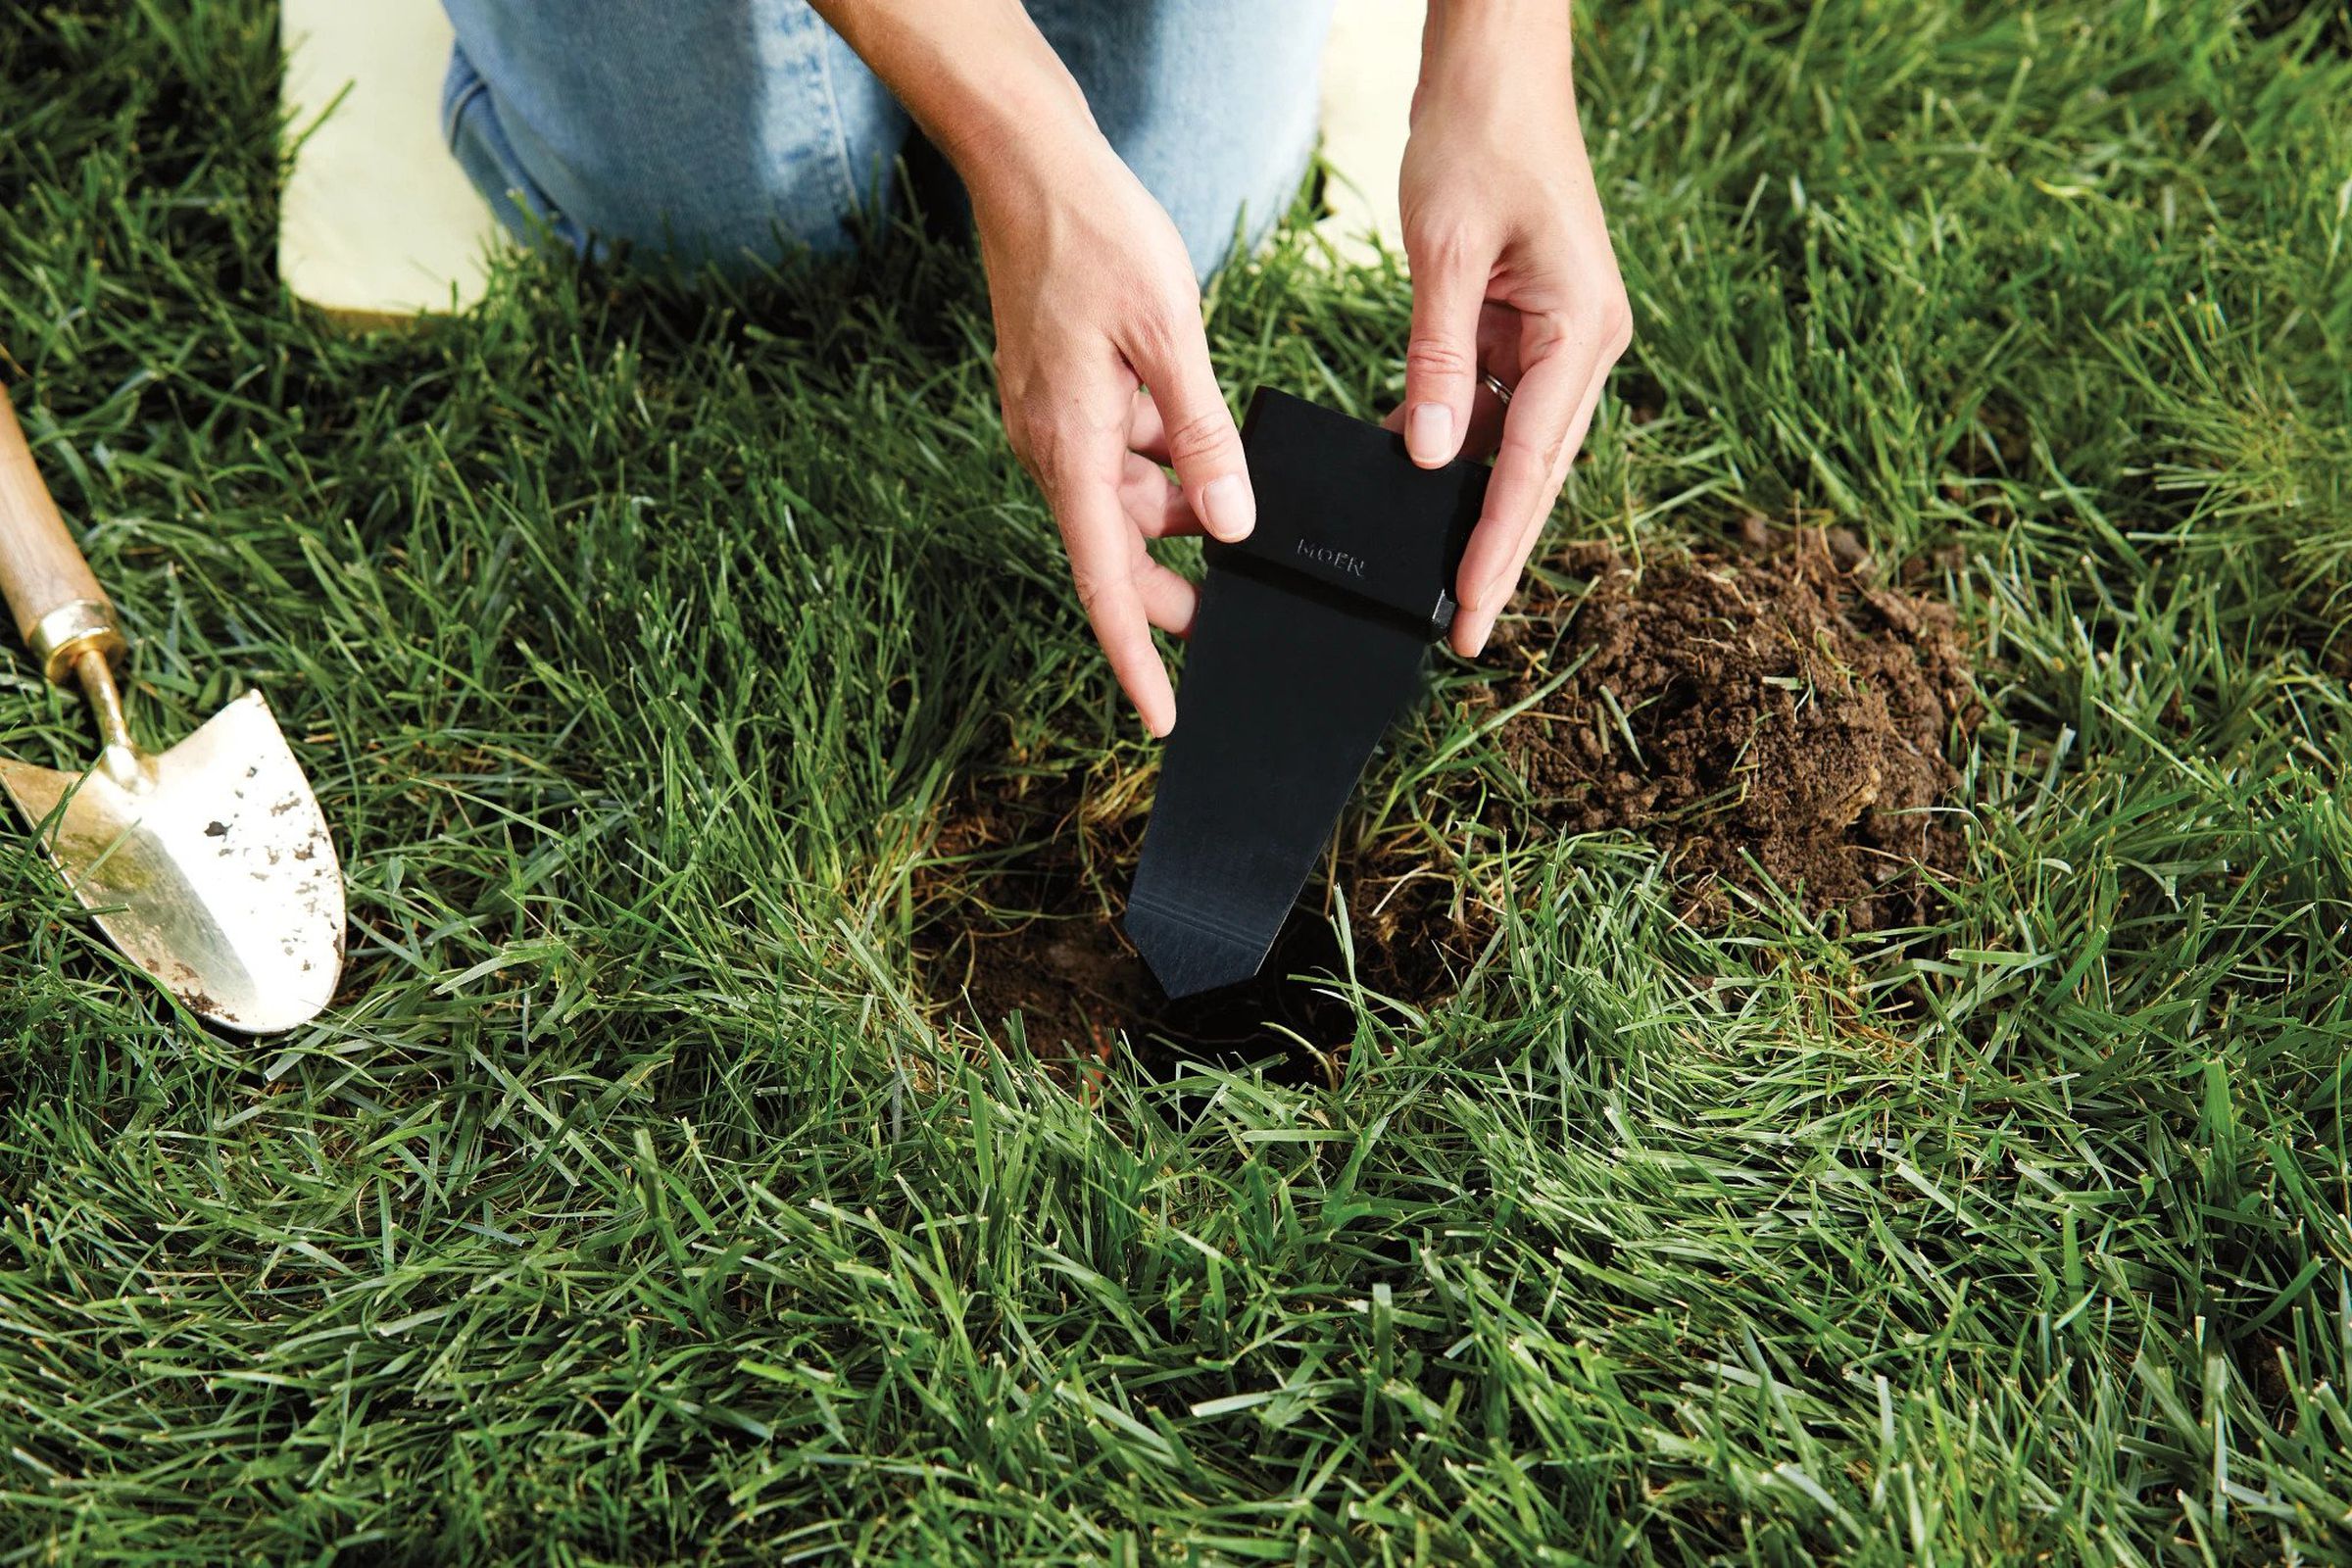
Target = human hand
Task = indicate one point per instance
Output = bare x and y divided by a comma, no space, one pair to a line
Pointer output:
1514,275
1104,375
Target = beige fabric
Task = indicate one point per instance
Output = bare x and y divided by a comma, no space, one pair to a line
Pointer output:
1369,69
376,221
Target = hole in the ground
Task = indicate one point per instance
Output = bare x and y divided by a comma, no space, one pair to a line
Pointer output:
1019,909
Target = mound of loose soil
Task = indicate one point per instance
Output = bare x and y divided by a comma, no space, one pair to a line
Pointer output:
1780,717
1018,912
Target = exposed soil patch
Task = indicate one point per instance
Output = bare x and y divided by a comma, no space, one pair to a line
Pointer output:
1019,911
1778,718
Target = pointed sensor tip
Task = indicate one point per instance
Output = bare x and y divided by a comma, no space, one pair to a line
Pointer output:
1188,957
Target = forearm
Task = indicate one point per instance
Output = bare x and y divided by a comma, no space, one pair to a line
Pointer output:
976,76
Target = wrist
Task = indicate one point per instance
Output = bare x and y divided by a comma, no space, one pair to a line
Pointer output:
977,76
1481,51
1031,164
1010,132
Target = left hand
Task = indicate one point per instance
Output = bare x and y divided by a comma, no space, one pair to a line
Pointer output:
1514,275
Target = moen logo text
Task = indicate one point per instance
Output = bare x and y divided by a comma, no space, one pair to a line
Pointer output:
1351,565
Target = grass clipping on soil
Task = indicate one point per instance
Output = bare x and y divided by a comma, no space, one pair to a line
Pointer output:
1774,721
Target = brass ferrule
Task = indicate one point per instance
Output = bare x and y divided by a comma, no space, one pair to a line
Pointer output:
82,627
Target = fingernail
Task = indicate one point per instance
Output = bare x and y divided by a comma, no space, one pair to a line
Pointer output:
1227,507
1428,433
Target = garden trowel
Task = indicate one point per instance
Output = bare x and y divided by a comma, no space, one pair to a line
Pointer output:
208,865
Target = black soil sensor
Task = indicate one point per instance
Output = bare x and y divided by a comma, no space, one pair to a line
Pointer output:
1310,640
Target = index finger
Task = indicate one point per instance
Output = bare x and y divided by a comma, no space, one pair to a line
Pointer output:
1530,467
1103,544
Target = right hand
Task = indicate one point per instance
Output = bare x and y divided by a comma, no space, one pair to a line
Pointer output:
1103,373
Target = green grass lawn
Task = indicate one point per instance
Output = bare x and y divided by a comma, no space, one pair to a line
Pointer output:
635,1205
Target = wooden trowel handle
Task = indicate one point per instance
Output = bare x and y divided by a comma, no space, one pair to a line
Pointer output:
60,609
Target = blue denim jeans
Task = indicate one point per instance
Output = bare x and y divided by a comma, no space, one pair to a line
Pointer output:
733,131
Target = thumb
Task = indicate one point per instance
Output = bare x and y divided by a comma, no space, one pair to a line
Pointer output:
1441,356
1203,447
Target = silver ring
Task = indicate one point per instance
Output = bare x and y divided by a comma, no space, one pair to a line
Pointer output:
1494,384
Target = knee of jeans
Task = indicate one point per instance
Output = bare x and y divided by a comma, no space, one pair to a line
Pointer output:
1227,183
725,185
1212,103
470,129
1225,219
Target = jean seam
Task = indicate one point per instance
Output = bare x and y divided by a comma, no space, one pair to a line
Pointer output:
457,111
846,183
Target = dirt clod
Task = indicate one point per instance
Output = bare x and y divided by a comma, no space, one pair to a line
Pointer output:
1779,717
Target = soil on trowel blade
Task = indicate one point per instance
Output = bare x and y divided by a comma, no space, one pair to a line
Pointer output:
1777,719
1019,907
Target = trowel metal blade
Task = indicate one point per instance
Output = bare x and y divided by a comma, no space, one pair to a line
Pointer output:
217,877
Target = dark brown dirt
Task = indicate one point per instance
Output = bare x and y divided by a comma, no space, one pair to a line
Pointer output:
1778,719
1019,907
